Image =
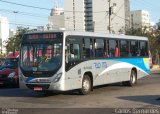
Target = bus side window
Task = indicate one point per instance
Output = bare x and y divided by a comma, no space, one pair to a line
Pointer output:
134,48
106,47
73,52
116,50
113,48
99,48
124,48
143,48
88,51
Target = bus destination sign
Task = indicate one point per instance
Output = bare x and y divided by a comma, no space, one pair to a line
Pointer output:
42,36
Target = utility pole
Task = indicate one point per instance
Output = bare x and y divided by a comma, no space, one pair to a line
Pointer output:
110,12
14,49
109,26
74,21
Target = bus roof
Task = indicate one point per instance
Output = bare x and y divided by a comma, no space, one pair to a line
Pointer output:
93,34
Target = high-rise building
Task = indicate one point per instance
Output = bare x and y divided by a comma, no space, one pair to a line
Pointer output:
140,19
4,32
56,18
12,32
93,15
74,15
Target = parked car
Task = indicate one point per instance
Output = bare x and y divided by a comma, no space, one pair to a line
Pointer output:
9,72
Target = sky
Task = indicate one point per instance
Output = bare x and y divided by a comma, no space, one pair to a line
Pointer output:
31,17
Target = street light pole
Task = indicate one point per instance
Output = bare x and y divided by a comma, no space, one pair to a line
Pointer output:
15,12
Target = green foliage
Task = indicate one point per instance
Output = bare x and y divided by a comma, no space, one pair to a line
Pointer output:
13,43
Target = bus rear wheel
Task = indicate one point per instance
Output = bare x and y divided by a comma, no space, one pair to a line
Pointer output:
86,85
133,79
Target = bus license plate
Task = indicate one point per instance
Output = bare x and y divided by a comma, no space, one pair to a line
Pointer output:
37,88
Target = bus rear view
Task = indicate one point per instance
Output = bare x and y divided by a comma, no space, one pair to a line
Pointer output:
41,60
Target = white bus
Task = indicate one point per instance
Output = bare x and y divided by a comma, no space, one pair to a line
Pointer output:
70,60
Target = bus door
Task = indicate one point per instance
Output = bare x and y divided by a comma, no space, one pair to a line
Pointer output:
72,52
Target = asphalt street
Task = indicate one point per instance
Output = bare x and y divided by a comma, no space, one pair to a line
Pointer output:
108,98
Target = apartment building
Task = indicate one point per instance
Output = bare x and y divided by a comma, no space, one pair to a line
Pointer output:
140,19
93,15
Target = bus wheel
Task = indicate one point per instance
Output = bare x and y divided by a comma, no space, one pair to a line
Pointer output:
86,85
133,79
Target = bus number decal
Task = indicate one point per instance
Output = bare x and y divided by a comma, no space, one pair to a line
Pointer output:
100,65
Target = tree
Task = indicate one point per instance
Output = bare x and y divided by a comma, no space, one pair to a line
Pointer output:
13,43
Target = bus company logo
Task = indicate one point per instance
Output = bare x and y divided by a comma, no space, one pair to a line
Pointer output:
100,65
9,111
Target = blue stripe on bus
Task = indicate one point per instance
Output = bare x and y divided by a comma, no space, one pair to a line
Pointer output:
139,62
29,79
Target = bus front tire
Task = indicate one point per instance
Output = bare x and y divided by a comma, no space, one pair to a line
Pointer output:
132,81
86,85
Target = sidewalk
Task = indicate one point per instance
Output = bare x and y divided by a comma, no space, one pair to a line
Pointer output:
155,69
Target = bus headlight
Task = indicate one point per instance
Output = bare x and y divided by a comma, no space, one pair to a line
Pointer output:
58,77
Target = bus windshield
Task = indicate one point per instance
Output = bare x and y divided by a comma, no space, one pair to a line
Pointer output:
41,56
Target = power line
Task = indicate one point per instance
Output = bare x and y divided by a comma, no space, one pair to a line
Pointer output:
118,11
44,8
21,23
25,5
122,18
22,13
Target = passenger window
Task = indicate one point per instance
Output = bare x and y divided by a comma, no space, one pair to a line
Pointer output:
113,48
143,48
88,48
134,48
99,48
73,53
106,47
124,48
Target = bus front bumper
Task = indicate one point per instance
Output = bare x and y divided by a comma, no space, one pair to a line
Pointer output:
44,86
